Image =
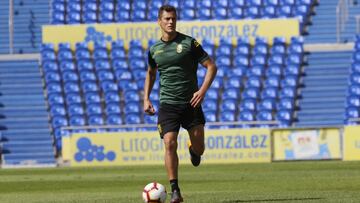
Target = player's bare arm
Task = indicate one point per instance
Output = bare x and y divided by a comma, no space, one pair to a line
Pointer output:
149,83
198,96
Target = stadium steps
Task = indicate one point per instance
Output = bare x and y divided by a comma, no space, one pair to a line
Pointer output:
4,27
29,16
323,28
24,122
323,91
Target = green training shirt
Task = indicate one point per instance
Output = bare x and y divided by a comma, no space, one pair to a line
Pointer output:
177,62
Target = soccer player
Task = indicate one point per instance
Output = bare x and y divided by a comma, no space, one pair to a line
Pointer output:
176,57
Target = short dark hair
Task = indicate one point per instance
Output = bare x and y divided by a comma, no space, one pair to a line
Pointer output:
167,8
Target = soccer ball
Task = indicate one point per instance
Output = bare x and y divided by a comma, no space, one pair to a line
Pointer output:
154,192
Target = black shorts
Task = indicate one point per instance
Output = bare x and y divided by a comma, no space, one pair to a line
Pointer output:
172,116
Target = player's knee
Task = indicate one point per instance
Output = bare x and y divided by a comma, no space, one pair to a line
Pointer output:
170,145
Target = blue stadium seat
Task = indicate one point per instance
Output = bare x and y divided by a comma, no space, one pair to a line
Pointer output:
285,11
237,3
204,4
48,55
276,59
248,104
227,116
120,64
272,81
74,6
132,107
223,61
58,18
234,82
210,116
288,92
76,109
284,117
278,49
54,99
112,97
73,98
355,67
256,71
90,6
269,12
212,94
254,82
259,59
89,86
228,105
94,109
189,4
252,12
71,87
231,93
114,120
82,54
242,49
287,2
52,77
137,63
107,6
355,78
274,70
99,54
59,121
289,81
246,116
77,120
67,66
204,14
131,96
95,120
58,6
265,116
271,2
53,87
209,105
220,13
64,55
241,61
105,75
354,90
74,17
113,108
122,16
92,98
292,69
102,64
267,105
353,101
89,17
270,93
87,76
123,5
139,74
57,110
118,53
236,13
286,104
109,86
139,15
255,2
251,93
187,14
352,112
70,76
132,118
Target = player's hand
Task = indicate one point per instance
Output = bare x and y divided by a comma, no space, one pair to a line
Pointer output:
149,108
197,98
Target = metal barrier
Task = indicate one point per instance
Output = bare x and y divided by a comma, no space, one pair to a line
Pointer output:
11,26
342,15
357,18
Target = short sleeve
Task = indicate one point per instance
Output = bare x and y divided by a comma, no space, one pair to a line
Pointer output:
198,52
151,61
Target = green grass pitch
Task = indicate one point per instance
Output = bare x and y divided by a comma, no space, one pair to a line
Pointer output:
315,181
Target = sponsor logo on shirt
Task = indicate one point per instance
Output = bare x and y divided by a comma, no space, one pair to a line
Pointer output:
179,48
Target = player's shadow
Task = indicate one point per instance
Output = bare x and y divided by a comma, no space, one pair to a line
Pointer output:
274,200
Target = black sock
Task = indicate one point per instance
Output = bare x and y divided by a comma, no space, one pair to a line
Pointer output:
174,185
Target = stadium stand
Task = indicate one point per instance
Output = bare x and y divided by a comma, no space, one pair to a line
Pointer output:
271,81
4,27
352,111
326,20
101,90
26,137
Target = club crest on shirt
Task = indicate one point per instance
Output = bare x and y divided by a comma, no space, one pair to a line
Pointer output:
179,48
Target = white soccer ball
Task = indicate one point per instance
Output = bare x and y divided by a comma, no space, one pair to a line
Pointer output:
154,192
